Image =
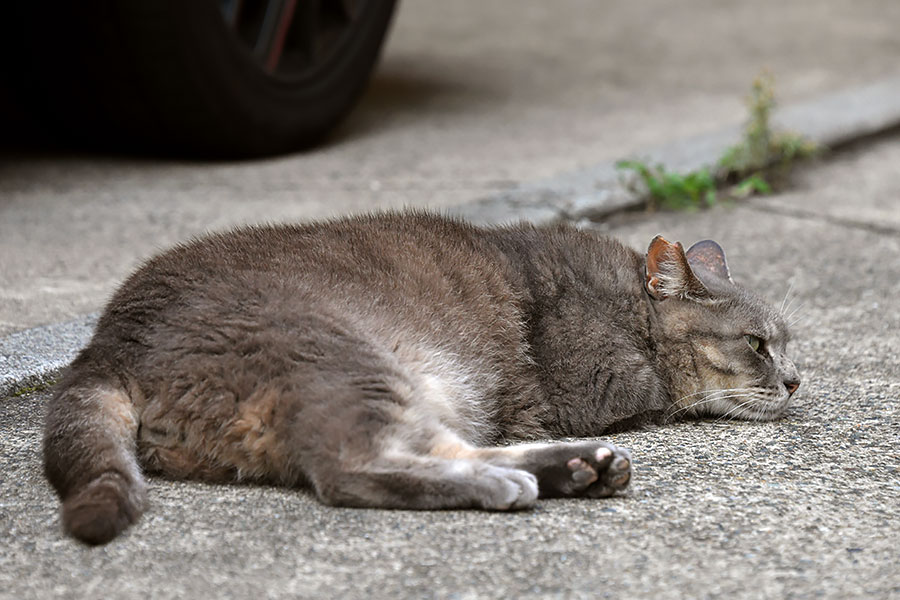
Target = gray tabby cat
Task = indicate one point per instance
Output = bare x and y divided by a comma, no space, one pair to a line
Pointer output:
382,361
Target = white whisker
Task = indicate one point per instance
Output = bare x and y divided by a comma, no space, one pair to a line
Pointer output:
795,311
737,408
789,304
796,320
715,391
786,294
713,396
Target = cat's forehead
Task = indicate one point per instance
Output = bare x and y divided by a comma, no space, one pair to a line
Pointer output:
752,310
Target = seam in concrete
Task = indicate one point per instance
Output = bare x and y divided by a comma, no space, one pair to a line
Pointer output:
799,213
35,357
598,192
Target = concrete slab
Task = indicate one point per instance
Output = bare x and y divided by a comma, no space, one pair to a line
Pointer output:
838,185
531,89
31,359
468,104
801,507
595,192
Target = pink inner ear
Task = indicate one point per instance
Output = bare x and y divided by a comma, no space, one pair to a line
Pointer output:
661,250
669,273
666,258
653,252
655,255
708,257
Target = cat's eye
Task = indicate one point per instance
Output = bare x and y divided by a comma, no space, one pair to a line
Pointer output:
755,343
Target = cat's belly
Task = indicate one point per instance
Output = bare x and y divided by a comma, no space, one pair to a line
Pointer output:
445,393
244,422
234,441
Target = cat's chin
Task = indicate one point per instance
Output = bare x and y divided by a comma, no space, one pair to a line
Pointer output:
763,409
765,414
754,404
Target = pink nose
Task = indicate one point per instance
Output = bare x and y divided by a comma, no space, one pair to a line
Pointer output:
791,386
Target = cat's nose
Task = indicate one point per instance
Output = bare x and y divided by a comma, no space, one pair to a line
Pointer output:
791,385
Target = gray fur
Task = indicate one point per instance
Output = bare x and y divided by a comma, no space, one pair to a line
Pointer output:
385,361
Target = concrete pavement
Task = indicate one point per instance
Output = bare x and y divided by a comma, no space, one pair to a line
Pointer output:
802,507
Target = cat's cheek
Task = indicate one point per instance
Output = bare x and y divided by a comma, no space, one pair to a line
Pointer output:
713,356
713,369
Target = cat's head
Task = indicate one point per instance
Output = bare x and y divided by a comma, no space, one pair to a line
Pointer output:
724,346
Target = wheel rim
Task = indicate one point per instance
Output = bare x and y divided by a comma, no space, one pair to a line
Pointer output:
292,38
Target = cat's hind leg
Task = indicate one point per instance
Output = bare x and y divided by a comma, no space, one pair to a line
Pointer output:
360,441
414,482
367,453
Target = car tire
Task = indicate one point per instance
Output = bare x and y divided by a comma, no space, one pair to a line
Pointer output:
188,77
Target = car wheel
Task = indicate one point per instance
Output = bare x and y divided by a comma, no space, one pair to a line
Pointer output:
217,78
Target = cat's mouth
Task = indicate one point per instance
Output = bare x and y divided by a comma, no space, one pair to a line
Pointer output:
751,403
762,411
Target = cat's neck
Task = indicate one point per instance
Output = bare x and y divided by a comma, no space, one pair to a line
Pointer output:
589,327
674,358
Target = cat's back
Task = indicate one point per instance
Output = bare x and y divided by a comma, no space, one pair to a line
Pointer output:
432,285
410,261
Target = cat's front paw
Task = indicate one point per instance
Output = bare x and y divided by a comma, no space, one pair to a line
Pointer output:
591,469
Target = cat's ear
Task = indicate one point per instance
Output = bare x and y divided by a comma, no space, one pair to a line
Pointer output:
668,273
707,261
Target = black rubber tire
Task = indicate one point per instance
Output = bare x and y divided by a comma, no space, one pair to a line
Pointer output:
168,76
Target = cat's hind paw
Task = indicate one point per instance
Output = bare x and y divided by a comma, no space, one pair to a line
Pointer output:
508,489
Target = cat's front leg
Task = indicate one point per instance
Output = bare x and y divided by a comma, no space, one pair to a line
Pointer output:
590,469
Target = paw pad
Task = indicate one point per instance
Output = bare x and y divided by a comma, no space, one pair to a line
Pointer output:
602,454
583,474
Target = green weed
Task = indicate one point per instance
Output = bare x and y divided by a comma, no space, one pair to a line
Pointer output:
40,387
763,149
745,169
672,190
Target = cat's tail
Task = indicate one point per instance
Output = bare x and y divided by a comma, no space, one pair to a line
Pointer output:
89,454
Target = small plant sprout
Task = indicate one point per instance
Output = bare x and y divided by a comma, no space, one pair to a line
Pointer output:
745,168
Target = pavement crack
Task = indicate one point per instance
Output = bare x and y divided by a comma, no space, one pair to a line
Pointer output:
799,213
